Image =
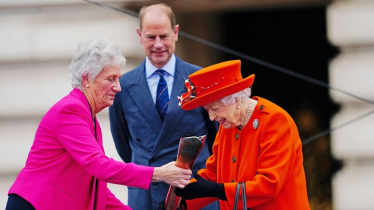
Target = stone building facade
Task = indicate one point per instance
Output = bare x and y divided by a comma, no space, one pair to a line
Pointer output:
39,37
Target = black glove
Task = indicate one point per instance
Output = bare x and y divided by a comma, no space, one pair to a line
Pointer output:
201,188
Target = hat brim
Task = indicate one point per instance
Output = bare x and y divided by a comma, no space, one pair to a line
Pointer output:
219,93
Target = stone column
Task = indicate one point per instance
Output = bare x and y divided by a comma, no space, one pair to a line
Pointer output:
351,28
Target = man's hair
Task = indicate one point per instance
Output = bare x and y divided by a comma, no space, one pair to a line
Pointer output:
167,9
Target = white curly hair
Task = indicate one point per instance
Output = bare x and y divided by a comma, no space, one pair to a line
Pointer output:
92,56
230,99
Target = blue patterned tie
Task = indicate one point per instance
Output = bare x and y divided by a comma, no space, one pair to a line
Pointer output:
162,100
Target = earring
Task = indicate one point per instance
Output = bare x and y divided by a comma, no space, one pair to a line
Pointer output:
238,107
86,86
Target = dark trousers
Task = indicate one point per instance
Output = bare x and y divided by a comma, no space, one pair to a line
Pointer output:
15,202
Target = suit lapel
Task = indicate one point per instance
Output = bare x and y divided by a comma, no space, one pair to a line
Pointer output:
139,91
175,113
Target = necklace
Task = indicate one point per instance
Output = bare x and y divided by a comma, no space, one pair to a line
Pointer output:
249,113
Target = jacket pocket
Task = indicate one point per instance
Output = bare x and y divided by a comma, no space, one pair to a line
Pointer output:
68,179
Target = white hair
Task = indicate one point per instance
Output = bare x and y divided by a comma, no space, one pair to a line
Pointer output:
92,56
230,99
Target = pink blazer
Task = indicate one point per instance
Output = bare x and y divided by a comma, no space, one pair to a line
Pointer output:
67,168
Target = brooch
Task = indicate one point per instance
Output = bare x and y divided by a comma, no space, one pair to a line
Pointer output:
256,123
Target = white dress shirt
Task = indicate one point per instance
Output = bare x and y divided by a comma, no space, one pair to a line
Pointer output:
153,78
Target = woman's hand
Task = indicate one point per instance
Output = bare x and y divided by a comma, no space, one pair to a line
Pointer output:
173,175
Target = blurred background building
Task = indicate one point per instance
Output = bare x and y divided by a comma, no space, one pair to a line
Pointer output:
329,40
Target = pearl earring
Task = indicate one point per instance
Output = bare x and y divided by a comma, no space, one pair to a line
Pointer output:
86,86
238,107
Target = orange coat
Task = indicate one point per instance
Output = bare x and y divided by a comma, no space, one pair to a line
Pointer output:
268,158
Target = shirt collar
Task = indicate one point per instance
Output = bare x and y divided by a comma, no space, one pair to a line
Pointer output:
169,67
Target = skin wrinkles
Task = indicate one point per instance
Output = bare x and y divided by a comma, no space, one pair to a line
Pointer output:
157,36
100,93
228,116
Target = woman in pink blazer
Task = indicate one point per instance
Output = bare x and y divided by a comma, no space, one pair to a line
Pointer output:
67,168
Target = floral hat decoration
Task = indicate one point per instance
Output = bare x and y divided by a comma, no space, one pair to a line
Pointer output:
212,83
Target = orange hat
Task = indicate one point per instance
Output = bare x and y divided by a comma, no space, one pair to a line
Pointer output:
212,83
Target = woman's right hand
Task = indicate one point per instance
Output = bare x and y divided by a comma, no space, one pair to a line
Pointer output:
173,175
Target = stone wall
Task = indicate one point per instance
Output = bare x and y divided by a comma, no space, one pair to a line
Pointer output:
38,40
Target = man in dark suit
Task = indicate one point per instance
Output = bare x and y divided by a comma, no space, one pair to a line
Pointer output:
142,133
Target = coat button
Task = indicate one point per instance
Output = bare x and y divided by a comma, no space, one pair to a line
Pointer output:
151,160
233,159
232,180
262,107
138,139
237,136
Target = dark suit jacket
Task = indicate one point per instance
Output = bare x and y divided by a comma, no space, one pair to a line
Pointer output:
142,138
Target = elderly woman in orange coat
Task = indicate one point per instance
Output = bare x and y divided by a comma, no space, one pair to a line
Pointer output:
257,144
